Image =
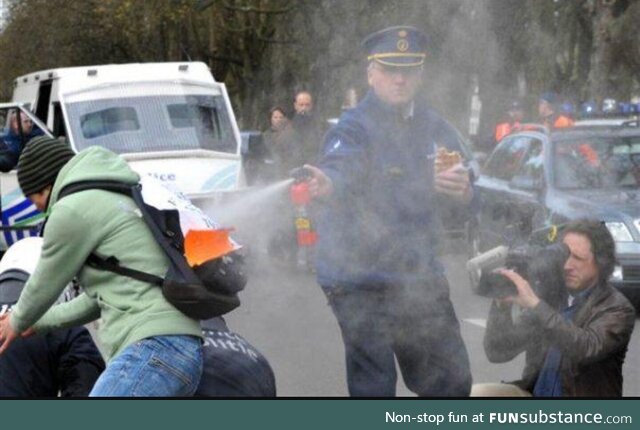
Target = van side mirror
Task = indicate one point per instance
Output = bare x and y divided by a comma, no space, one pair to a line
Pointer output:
526,183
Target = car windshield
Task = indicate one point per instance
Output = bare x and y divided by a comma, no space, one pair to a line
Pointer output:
597,162
148,122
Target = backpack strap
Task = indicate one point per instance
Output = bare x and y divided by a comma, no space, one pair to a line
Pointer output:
111,264
113,186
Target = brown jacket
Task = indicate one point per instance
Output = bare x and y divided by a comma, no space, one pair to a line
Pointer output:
593,345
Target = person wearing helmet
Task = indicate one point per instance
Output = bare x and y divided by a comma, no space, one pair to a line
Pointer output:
63,362
513,121
548,112
152,348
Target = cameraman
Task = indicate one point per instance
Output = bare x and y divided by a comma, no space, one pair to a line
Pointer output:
576,348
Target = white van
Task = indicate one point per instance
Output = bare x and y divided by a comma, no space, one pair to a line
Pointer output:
169,120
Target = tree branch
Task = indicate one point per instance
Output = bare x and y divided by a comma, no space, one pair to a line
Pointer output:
275,11
224,59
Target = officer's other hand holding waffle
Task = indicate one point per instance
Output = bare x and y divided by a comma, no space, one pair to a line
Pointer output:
452,178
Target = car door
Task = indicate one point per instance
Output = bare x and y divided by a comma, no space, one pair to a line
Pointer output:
18,216
500,203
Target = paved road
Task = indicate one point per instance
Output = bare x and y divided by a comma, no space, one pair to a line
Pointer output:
285,315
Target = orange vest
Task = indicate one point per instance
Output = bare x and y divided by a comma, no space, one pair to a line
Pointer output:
589,154
563,122
505,128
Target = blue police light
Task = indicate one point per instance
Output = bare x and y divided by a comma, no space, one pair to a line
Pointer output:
625,108
589,108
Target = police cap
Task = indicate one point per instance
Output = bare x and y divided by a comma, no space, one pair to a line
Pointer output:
401,46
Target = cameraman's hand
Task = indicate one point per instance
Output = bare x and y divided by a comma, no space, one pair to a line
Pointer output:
526,298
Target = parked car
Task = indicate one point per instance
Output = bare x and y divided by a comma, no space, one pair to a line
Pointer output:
534,179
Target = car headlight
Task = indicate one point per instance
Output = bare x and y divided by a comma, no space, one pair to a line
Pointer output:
617,274
619,231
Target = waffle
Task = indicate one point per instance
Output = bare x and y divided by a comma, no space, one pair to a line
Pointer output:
445,159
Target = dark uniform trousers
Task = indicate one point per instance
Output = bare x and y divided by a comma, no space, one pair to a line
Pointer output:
414,323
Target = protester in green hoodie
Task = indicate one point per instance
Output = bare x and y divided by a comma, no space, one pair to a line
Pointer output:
152,348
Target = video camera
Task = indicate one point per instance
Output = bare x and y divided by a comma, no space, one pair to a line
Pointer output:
540,261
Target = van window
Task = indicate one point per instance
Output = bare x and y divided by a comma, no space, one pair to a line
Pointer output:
151,123
108,121
203,118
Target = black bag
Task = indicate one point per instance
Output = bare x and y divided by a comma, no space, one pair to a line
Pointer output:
203,292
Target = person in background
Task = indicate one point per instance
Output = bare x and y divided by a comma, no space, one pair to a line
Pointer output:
548,112
285,147
307,126
283,143
21,130
512,122
376,187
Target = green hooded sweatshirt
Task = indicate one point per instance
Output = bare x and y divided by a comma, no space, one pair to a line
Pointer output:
107,224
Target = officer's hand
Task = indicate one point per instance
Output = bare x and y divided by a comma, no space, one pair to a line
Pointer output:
526,298
454,182
7,333
320,185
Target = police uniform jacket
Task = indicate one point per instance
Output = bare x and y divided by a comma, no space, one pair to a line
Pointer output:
379,226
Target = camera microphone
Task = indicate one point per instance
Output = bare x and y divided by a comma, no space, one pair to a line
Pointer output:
486,262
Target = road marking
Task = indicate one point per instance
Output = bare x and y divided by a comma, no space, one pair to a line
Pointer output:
480,322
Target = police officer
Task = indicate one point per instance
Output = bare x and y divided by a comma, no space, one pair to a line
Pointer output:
63,362
376,258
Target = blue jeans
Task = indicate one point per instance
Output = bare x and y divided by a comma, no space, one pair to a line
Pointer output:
159,366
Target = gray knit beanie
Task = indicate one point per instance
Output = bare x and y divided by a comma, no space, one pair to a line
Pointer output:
40,162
